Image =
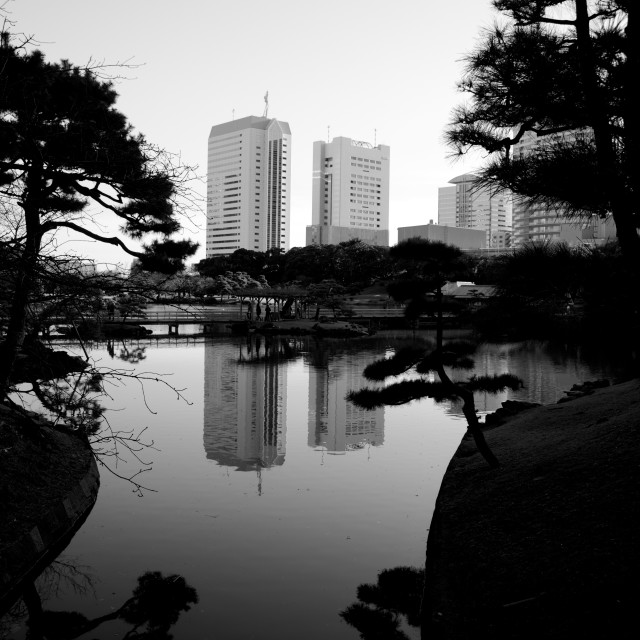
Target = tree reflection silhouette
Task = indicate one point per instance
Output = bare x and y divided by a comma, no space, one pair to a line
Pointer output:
128,352
154,607
383,607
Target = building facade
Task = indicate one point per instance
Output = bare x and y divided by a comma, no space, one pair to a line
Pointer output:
350,195
466,206
248,186
535,222
465,239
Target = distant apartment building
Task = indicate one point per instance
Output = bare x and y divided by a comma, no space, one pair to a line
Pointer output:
466,206
248,186
465,239
350,197
535,222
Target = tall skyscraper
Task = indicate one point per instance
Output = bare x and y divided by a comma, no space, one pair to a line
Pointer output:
466,206
248,186
350,192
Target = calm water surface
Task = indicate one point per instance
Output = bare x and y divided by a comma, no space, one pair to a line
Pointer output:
270,495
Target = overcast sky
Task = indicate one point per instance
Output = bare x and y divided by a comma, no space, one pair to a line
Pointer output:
380,71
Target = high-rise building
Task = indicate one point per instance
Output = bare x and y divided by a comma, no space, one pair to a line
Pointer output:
350,192
248,185
536,222
467,206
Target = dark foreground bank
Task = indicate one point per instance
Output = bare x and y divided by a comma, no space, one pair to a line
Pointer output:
547,545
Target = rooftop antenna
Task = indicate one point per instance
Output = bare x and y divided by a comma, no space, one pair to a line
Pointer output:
233,114
266,105
328,133
375,137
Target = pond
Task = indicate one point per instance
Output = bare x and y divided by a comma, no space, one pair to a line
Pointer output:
268,493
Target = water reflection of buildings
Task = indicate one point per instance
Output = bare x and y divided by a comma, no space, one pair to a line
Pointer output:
244,403
547,372
334,423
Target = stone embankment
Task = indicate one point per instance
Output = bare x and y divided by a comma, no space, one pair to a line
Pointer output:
49,483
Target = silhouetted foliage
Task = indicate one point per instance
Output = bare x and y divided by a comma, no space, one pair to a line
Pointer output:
428,266
552,68
63,146
547,290
353,264
397,594
154,607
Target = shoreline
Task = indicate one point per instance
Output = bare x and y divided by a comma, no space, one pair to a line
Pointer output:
545,545
38,527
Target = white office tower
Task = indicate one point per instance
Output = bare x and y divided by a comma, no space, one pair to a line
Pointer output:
466,206
248,186
350,193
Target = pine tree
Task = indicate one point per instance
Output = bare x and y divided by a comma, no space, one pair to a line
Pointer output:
70,161
428,267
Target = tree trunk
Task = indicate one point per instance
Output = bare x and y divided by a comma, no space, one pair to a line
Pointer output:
469,405
469,411
618,192
24,282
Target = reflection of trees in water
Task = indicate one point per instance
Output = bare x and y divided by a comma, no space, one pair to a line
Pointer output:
321,351
154,607
318,351
133,354
269,349
387,606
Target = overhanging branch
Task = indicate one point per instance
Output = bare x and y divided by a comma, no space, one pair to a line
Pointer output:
113,240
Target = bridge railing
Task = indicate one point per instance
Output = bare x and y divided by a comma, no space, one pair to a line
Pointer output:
201,316
212,315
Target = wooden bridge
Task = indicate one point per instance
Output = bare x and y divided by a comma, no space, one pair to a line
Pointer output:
208,317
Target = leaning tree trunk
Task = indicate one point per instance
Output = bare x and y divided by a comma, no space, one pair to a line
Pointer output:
469,411
468,403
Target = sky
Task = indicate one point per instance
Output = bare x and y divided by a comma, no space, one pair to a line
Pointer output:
373,70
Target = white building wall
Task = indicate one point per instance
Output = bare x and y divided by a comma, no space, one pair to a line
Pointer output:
350,186
447,206
467,207
465,239
248,186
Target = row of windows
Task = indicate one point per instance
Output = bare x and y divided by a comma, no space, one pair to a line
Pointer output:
369,180
353,164
365,218
224,142
220,166
365,210
366,160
